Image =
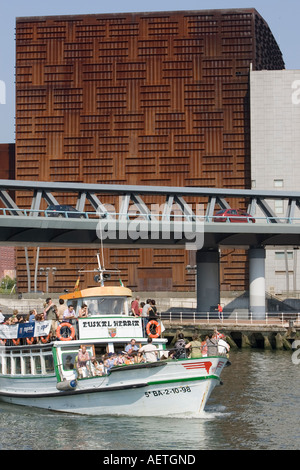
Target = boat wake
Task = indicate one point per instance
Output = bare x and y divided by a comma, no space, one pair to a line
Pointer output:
210,413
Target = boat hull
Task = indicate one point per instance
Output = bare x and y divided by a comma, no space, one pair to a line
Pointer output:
159,389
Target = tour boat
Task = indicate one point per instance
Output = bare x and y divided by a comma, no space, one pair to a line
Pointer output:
46,374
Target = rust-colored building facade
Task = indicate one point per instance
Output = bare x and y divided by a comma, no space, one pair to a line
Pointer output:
138,98
7,171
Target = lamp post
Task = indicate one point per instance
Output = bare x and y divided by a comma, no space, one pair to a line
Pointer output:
46,272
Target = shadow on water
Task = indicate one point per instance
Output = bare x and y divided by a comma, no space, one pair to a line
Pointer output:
256,408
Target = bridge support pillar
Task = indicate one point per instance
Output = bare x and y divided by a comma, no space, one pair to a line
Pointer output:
257,283
208,280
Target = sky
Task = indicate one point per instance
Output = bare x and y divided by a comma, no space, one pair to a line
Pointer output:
281,16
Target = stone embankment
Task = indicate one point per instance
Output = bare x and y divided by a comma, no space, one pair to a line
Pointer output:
268,337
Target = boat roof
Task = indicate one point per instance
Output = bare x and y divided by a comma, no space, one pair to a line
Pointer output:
99,291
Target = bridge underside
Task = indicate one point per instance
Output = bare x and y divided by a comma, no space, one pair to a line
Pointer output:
42,231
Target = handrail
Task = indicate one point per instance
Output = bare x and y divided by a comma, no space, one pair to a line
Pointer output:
9,212
236,317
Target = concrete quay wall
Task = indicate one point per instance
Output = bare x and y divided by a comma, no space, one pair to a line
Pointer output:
268,337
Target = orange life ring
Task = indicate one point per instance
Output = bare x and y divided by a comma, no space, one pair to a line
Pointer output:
29,340
3,342
16,342
45,339
68,338
157,329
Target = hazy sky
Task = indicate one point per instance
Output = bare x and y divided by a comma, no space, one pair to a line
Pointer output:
282,17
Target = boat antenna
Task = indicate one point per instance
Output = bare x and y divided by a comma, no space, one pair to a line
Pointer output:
100,269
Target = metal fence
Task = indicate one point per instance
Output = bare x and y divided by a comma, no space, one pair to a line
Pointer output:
238,318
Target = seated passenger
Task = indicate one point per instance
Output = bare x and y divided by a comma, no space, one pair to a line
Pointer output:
121,358
149,351
110,361
97,367
128,360
83,362
132,349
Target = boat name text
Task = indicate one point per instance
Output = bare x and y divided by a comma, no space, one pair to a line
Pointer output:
109,323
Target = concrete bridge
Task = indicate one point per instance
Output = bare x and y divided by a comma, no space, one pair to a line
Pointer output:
160,217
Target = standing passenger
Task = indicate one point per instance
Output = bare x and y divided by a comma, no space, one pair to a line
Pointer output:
60,310
212,345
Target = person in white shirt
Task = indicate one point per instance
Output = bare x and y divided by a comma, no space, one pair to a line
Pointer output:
69,313
149,351
2,317
223,347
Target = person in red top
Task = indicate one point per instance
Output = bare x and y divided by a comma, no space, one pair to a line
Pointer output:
135,310
220,311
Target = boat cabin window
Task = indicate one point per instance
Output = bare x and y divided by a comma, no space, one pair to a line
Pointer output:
69,356
106,305
26,362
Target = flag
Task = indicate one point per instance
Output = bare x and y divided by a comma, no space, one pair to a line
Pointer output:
121,282
76,287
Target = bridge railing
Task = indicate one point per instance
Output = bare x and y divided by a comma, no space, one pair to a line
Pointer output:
4,211
270,318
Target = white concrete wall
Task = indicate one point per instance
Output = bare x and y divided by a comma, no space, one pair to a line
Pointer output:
275,157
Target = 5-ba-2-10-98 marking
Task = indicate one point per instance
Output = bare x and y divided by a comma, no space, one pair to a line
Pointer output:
167,391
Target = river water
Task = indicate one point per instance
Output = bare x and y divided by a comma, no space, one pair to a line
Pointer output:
257,407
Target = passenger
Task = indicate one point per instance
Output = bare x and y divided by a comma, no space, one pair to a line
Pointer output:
83,311
212,345
69,313
132,349
97,367
121,358
141,308
204,347
146,309
111,361
223,346
39,317
135,307
50,315
128,360
149,351
2,317
61,309
195,346
180,347
83,362
14,318
32,315
217,335
153,310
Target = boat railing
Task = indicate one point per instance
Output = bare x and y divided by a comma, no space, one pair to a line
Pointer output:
25,333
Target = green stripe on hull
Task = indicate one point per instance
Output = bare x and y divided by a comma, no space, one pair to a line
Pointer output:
190,379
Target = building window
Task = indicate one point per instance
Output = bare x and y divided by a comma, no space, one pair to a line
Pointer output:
278,183
279,206
280,255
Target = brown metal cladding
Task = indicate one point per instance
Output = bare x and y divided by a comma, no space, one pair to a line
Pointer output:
139,98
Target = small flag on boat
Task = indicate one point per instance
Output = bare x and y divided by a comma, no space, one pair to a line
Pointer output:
121,282
76,287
